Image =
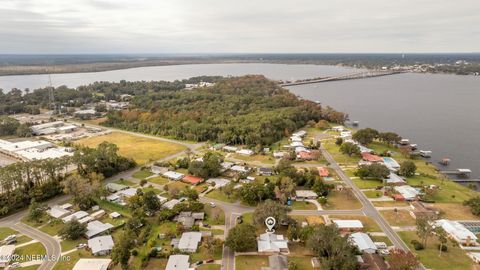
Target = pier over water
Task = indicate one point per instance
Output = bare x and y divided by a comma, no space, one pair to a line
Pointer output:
351,76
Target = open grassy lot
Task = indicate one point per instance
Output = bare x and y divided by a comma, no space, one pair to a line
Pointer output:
384,239
71,244
158,180
177,185
400,218
31,250
52,228
217,194
250,262
373,193
342,200
455,211
367,183
369,224
4,232
390,203
302,262
113,207
454,258
299,205
214,215
72,259
203,255
254,158
126,182
209,267
450,192
155,263
142,174
339,157
142,150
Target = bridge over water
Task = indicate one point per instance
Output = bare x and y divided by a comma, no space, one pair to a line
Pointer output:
351,76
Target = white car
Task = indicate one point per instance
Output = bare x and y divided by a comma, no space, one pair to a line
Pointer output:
212,204
14,265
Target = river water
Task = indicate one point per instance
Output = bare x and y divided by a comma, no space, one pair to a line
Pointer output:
438,112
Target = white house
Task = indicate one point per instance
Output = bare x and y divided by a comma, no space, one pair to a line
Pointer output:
363,242
77,215
92,264
189,241
272,243
228,148
408,193
348,225
240,169
245,152
96,227
178,262
57,211
457,232
173,175
170,204
305,194
101,245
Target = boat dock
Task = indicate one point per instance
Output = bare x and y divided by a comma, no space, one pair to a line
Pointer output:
458,172
465,180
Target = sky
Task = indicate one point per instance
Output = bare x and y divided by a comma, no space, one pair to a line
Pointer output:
240,26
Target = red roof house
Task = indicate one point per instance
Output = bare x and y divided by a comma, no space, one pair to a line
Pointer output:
371,157
304,155
194,180
323,172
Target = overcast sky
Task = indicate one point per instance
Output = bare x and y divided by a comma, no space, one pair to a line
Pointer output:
241,26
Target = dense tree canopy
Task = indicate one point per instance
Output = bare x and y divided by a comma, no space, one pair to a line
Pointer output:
374,170
242,238
245,110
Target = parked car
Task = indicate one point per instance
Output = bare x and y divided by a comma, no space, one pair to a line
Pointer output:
80,246
213,205
14,265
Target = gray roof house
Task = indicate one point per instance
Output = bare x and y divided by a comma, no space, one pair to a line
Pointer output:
178,262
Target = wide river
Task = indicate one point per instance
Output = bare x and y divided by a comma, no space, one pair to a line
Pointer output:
438,112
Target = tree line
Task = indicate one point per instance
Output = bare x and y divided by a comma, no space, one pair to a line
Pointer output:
249,110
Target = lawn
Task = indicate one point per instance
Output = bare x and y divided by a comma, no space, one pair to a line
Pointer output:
384,239
339,157
300,205
214,215
217,194
255,158
202,254
390,203
250,262
113,207
373,193
342,200
71,244
401,218
142,150
450,192
157,264
209,267
126,182
177,185
28,252
454,258
367,183
4,232
248,218
302,262
142,174
158,180
52,228
71,259
369,224
455,211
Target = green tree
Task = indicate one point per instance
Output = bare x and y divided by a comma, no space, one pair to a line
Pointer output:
270,208
73,230
474,204
407,168
365,136
151,201
400,259
121,251
242,238
442,238
349,149
425,227
35,211
374,171
389,137
334,251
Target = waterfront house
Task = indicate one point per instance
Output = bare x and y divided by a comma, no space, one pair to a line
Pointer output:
394,180
368,157
406,193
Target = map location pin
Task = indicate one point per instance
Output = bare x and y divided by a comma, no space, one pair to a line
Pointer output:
270,222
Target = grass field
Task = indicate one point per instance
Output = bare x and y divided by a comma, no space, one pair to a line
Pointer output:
71,244
390,203
369,224
142,150
302,262
158,180
255,158
367,183
250,262
72,259
209,267
203,255
455,211
31,250
384,239
4,232
401,218
373,193
450,192
342,200
298,205
142,174
219,195
454,258
214,215
339,157
52,228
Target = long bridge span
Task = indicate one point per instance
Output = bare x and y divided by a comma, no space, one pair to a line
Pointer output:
351,76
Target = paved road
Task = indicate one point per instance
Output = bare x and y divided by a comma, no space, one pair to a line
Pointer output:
52,245
368,207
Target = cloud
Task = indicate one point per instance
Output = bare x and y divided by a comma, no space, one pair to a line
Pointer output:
190,26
